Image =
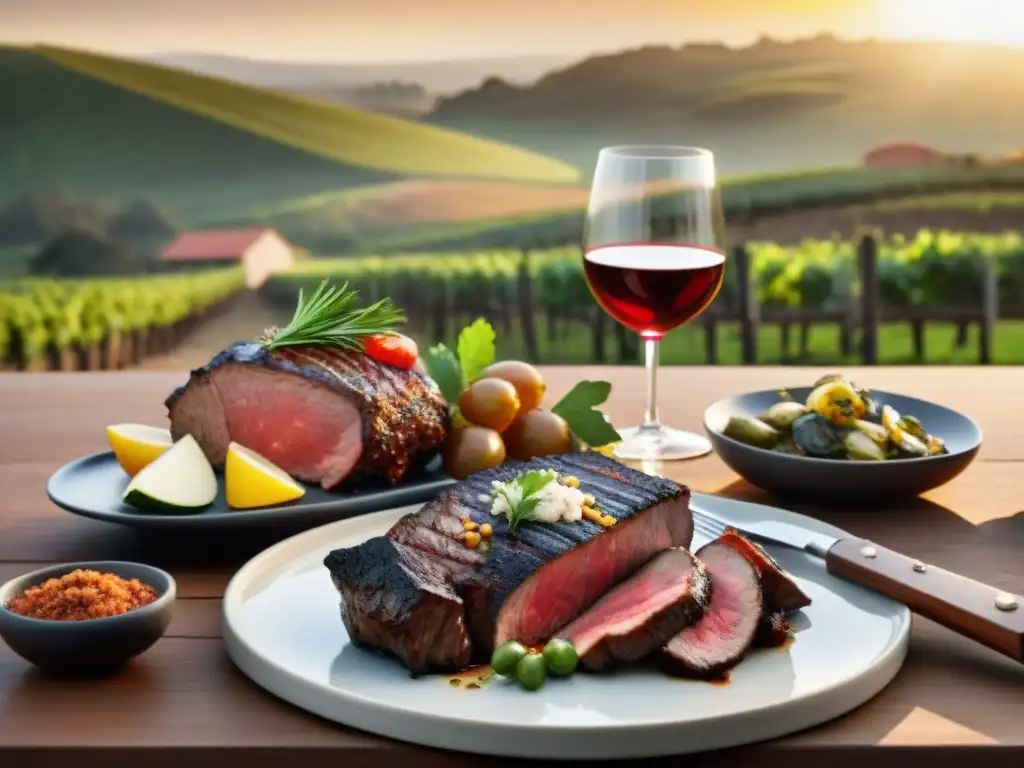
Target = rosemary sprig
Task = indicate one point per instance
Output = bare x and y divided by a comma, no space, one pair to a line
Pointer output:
520,495
330,318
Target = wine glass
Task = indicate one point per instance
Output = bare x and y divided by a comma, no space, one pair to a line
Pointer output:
654,258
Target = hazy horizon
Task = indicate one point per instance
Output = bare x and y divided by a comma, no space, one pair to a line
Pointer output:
396,31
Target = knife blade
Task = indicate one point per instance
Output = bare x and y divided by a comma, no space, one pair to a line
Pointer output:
990,616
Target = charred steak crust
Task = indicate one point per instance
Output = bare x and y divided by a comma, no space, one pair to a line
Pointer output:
404,415
395,600
420,573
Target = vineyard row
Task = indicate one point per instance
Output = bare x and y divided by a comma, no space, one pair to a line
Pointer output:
934,276
98,324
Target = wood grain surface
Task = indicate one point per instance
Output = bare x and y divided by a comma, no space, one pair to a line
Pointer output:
183,703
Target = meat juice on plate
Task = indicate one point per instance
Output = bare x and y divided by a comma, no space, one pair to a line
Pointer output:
652,288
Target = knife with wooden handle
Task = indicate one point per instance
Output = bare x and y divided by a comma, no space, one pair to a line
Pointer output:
988,615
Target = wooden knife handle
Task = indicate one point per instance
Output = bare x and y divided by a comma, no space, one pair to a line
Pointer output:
975,610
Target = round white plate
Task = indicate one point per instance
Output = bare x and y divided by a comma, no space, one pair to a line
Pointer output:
283,629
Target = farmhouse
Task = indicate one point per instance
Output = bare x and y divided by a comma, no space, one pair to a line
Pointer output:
262,251
902,153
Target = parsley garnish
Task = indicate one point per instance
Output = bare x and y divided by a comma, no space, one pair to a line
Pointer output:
520,494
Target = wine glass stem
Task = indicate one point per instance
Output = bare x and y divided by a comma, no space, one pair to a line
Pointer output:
651,349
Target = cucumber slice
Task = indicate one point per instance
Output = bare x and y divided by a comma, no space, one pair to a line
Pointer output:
181,480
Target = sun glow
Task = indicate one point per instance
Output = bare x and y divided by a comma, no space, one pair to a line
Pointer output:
998,22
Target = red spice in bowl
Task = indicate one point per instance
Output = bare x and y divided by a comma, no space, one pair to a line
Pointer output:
82,595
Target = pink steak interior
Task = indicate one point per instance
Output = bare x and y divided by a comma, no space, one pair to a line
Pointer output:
307,429
564,588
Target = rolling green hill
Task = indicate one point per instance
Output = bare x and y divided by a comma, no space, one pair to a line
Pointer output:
210,149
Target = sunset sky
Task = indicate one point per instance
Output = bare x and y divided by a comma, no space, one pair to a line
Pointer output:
401,30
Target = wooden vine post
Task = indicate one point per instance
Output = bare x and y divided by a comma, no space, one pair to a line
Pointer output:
870,315
524,297
749,309
989,311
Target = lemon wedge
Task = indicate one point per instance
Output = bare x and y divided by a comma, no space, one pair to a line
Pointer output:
252,481
136,445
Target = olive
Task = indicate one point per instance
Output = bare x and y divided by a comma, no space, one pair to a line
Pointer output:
472,449
751,431
505,658
524,377
531,671
537,433
782,415
860,447
560,656
491,403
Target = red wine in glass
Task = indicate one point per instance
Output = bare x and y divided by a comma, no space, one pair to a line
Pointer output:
652,288
654,258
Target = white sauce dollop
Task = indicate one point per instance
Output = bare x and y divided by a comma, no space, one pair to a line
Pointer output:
556,502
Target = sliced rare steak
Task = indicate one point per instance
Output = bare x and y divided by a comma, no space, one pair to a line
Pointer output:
724,634
322,415
420,594
781,594
642,613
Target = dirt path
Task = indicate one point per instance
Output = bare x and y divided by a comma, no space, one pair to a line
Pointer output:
245,320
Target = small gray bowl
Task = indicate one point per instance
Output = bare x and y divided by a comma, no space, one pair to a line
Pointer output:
93,646
840,481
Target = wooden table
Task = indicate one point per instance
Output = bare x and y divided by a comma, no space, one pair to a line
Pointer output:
184,703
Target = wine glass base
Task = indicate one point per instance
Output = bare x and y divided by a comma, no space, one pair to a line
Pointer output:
660,444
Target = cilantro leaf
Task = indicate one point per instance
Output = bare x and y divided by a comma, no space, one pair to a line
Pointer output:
579,409
443,367
475,349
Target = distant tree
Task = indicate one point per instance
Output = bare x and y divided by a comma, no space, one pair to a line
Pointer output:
41,215
495,84
142,221
80,252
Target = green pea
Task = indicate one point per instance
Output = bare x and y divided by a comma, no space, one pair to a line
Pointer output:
532,671
505,658
561,657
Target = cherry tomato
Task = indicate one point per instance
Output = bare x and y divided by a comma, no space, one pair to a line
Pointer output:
392,349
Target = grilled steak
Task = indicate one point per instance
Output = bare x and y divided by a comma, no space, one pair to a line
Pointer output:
781,594
323,416
724,634
420,594
643,612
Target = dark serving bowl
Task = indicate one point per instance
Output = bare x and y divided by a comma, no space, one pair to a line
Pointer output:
836,480
93,646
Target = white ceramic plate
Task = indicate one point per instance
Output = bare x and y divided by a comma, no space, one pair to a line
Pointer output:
283,629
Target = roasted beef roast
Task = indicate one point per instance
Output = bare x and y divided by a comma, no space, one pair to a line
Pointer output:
643,612
725,632
322,415
418,593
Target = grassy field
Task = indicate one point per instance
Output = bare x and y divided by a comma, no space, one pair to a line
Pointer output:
211,149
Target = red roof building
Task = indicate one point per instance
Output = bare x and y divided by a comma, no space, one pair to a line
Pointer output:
903,153
262,251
